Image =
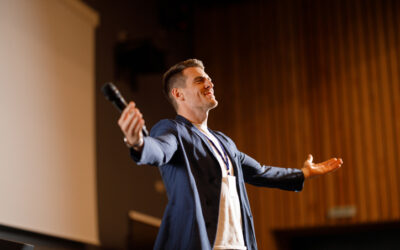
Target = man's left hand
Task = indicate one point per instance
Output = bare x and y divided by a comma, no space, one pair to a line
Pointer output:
311,169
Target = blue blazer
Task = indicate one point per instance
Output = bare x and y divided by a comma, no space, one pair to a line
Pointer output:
192,178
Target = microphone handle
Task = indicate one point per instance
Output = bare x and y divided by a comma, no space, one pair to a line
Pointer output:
121,105
119,102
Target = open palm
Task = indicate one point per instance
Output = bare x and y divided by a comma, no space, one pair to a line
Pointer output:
311,169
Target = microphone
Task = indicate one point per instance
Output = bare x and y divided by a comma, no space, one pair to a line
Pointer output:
113,95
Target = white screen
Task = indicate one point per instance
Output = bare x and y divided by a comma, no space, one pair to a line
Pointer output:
47,137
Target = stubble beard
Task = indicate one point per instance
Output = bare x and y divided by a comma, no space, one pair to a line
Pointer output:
213,104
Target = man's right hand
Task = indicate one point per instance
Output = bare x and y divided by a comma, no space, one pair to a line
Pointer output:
131,123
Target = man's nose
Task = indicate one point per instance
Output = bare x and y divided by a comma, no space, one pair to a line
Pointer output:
209,84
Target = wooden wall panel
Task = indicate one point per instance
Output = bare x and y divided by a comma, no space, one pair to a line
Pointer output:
309,76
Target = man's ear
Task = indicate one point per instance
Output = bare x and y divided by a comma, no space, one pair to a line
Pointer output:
177,94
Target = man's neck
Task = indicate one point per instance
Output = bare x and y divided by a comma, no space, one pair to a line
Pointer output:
197,118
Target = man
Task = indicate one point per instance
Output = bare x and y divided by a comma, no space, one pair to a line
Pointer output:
203,171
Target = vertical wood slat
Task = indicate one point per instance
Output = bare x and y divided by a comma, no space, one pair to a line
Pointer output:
339,114
283,118
359,97
296,108
264,208
375,143
251,79
391,24
396,87
274,113
316,108
348,72
387,122
338,65
309,204
280,58
323,98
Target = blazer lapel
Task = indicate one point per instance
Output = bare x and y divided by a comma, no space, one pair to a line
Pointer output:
227,149
205,141
200,134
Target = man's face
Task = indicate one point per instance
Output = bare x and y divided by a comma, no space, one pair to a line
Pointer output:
198,92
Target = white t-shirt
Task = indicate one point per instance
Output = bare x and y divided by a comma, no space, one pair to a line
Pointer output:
229,230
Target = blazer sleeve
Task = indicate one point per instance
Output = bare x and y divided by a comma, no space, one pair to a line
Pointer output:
160,146
267,176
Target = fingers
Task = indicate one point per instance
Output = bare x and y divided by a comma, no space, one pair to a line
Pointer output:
125,113
310,158
135,123
331,164
335,162
332,161
138,129
127,121
131,121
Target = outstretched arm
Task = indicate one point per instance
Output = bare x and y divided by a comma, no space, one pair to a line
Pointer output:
285,178
311,170
268,176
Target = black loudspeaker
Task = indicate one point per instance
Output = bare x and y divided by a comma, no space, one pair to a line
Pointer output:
12,245
137,57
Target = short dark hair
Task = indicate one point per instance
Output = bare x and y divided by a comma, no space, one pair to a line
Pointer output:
174,78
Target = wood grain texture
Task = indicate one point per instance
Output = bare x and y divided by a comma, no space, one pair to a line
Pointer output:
308,76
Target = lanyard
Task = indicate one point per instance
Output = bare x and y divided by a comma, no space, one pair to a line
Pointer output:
224,157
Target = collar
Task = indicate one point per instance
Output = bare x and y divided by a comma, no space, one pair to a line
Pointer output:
231,154
183,119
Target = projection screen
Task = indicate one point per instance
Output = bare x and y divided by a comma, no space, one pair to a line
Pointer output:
47,128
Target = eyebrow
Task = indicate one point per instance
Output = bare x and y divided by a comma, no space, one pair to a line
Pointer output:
198,78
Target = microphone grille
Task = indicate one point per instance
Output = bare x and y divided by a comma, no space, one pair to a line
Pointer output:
110,91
